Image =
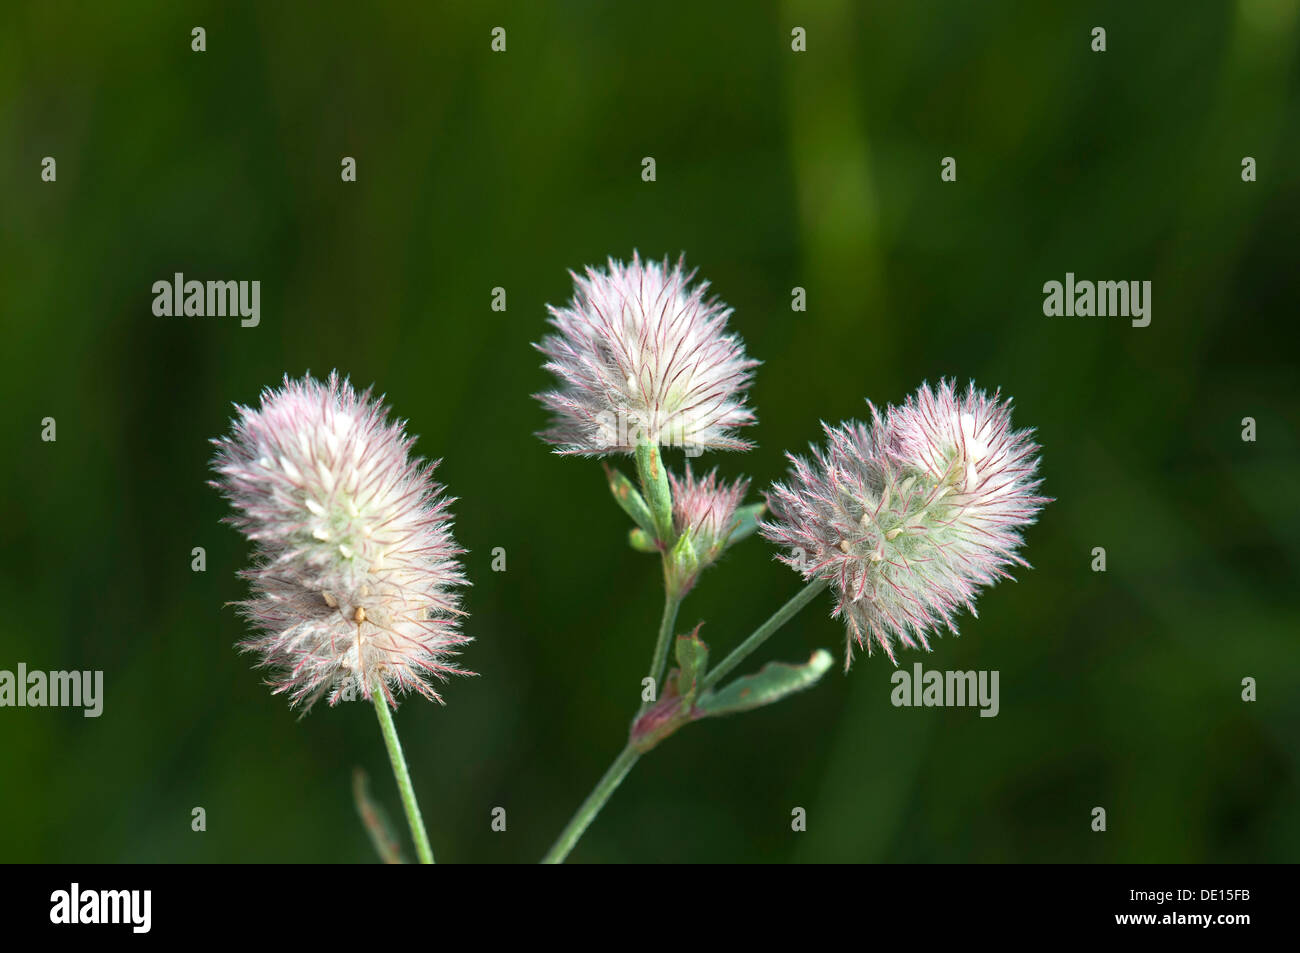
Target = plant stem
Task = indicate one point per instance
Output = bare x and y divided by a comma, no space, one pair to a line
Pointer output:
623,763
664,643
403,777
762,633
591,807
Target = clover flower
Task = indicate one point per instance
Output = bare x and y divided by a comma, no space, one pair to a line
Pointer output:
704,518
642,356
705,508
908,516
355,570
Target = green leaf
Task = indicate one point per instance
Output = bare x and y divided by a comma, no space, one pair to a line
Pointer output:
631,501
375,820
692,661
773,682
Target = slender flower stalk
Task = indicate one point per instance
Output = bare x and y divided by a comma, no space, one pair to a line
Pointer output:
659,661
403,776
628,757
763,633
596,800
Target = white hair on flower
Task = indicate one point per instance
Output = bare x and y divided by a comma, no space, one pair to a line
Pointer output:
355,571
907,517
641,356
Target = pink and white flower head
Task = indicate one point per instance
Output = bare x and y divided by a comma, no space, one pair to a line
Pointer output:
907,517
355,571
704,518
705,508
641,356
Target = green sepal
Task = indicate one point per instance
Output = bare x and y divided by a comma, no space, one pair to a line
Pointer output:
658,494
773,682
682,565
641,541
630,500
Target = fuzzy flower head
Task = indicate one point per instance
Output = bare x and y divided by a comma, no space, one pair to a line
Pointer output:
909,516
705,515
642,356
355,571
705,508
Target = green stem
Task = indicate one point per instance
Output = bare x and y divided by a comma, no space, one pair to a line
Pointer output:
623,763
403,777
591,807
663,644
762,633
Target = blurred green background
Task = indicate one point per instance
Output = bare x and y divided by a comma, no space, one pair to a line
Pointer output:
775,169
